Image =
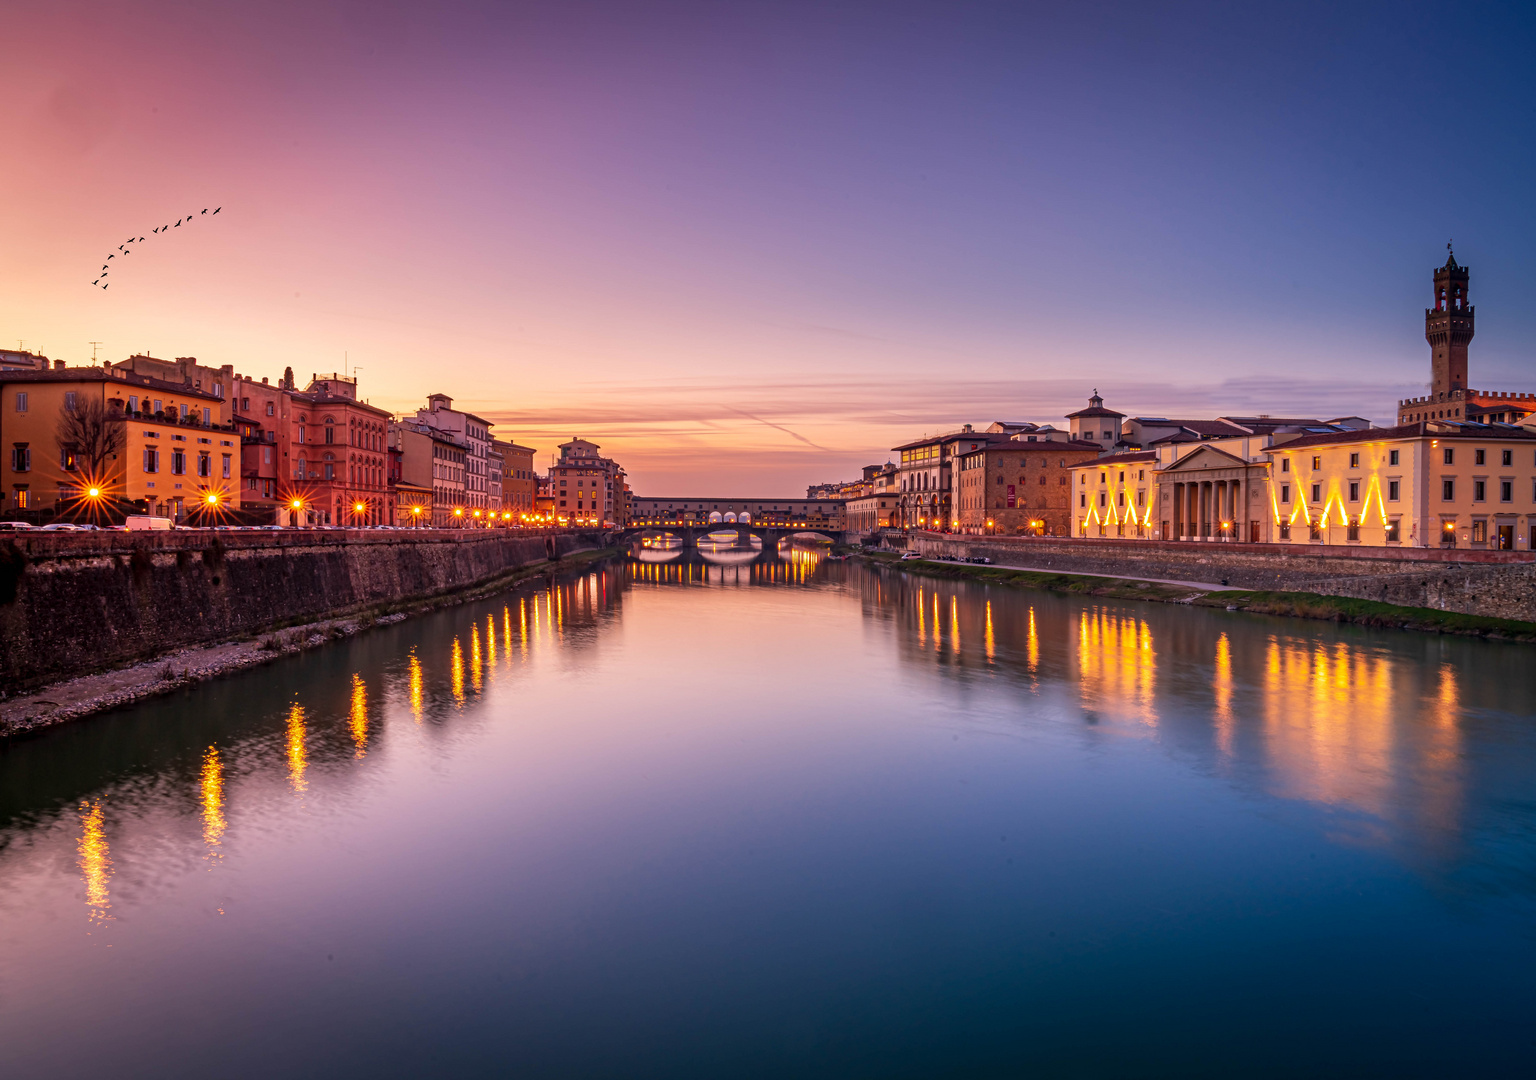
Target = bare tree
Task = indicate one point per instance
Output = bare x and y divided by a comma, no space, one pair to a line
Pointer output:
91,432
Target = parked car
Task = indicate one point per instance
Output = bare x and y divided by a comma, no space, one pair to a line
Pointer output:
60,526
16,526
910,555
978,559
138,522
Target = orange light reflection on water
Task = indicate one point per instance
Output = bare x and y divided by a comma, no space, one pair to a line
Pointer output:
358,722
95,862
298,762
211,795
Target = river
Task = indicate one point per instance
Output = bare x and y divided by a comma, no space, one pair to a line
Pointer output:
717,817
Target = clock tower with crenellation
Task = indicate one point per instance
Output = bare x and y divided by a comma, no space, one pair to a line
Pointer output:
1448,327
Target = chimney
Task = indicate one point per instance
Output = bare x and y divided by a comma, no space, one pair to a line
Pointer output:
58,365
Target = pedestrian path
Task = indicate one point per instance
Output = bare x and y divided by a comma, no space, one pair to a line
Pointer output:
1204,586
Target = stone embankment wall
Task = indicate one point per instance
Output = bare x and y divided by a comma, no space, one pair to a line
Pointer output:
74,603
1499,584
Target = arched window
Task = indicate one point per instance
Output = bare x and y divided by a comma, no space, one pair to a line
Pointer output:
330,429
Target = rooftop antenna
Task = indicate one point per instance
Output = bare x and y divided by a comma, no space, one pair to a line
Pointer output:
93,345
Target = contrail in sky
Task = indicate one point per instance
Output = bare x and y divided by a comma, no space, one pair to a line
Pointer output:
780,427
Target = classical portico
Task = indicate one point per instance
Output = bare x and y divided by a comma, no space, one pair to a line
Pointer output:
1209,494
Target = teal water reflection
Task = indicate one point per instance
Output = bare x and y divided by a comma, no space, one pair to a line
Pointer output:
715,814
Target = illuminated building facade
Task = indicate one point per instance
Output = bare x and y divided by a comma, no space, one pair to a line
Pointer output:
519,483
1416,485
1115,495
925,479
474,434
338,455
175,451
587,488
433,460
1012,487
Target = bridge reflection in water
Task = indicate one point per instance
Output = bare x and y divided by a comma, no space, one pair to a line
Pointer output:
1409,745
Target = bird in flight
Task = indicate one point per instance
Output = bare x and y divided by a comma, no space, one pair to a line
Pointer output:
111,256
205,209
178,225
220,208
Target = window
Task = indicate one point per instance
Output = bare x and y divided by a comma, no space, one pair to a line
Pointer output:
133,402
1317,492
270,408
1285,493
1479,457
1394,490
1448,455
69,401
1394,532
183,412
21,401
1447,491
1354,491
23,496
1352,530
1285,530
159,405
151,459
1506,457
1480,532
1317,461
1506,491
207,416
1479,491
1082,499
69,458
1285,464
21,458
178,462
1392,457
1354,461
204,465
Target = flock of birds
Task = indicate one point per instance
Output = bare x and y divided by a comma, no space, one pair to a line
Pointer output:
125,249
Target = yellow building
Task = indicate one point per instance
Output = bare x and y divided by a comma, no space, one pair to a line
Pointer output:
1445,484
1116,495
78,441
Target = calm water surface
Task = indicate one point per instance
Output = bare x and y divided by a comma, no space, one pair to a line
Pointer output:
688,818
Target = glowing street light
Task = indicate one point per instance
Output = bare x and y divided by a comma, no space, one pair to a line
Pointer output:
93,493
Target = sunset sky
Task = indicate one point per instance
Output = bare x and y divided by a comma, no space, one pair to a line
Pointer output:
751,246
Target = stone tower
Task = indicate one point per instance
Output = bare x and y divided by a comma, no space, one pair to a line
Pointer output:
1448,327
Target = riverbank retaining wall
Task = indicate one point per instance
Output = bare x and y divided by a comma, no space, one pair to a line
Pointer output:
1499,584
75,603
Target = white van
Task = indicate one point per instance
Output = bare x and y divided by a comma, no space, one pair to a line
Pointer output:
138,522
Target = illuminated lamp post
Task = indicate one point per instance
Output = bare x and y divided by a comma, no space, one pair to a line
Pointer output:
416,515
1226,530
458,514
297,507
358,510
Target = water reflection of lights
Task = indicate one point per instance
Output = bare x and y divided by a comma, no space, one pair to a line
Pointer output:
358,721
1116,662
1329,718
1222,686
415,685
991,642
456,670
297,759
475,669
95,862
211,796
1032,645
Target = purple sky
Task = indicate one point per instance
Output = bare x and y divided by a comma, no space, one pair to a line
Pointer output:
747,247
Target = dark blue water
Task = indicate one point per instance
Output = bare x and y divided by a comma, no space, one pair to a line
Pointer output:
796,819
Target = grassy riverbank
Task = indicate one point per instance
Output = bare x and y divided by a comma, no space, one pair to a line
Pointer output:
1300,605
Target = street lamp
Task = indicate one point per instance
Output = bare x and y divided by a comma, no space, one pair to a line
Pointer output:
297,506
416,513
